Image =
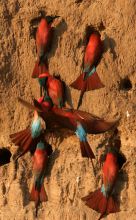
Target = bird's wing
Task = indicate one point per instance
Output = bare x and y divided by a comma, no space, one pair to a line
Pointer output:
92,123
30,106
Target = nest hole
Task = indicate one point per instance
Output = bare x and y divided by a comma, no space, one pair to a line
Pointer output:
125,84
78,1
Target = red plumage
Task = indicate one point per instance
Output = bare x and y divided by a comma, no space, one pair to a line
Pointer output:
24,140
86,150
102,200
28,138
68,118
55,89
38,196
46,104
43,36
39,69
57,118
90,80
93,50
91,83
40,160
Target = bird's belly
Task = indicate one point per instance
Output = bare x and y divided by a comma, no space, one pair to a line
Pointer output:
39,160
110,172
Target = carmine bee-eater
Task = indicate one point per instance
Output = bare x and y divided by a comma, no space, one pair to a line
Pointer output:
45,102
29,137
40,160
43,42
102,200
55,88
78,121
5,156
43,36
89,79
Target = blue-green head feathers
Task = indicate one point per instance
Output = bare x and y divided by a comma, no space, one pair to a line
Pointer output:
42,81
41,145
36,128
47,98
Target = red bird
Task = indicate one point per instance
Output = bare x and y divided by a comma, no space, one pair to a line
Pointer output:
43,42
102,200
46,102
28,138
78,121
40,160
55,88
89,79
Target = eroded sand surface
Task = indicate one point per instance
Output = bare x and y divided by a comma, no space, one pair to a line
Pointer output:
116,22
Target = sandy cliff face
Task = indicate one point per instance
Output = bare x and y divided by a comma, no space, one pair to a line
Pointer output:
116,22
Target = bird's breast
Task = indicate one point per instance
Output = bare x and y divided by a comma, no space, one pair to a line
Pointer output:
40,159
110,168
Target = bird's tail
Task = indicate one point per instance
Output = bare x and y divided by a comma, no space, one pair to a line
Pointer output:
39,68
86,150
84,84
24,140
104,205
38,196
5,156
81,97
87,83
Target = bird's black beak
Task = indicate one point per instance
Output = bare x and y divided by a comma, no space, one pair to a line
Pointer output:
56,16
50,19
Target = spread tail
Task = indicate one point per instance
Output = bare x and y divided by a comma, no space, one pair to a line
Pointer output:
84,84
86,150
39,68
38,196
24,140
90,83
104,205
79,82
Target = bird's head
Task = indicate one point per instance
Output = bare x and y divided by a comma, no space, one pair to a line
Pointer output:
51,18
43,78
117,144
41,145
38,125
